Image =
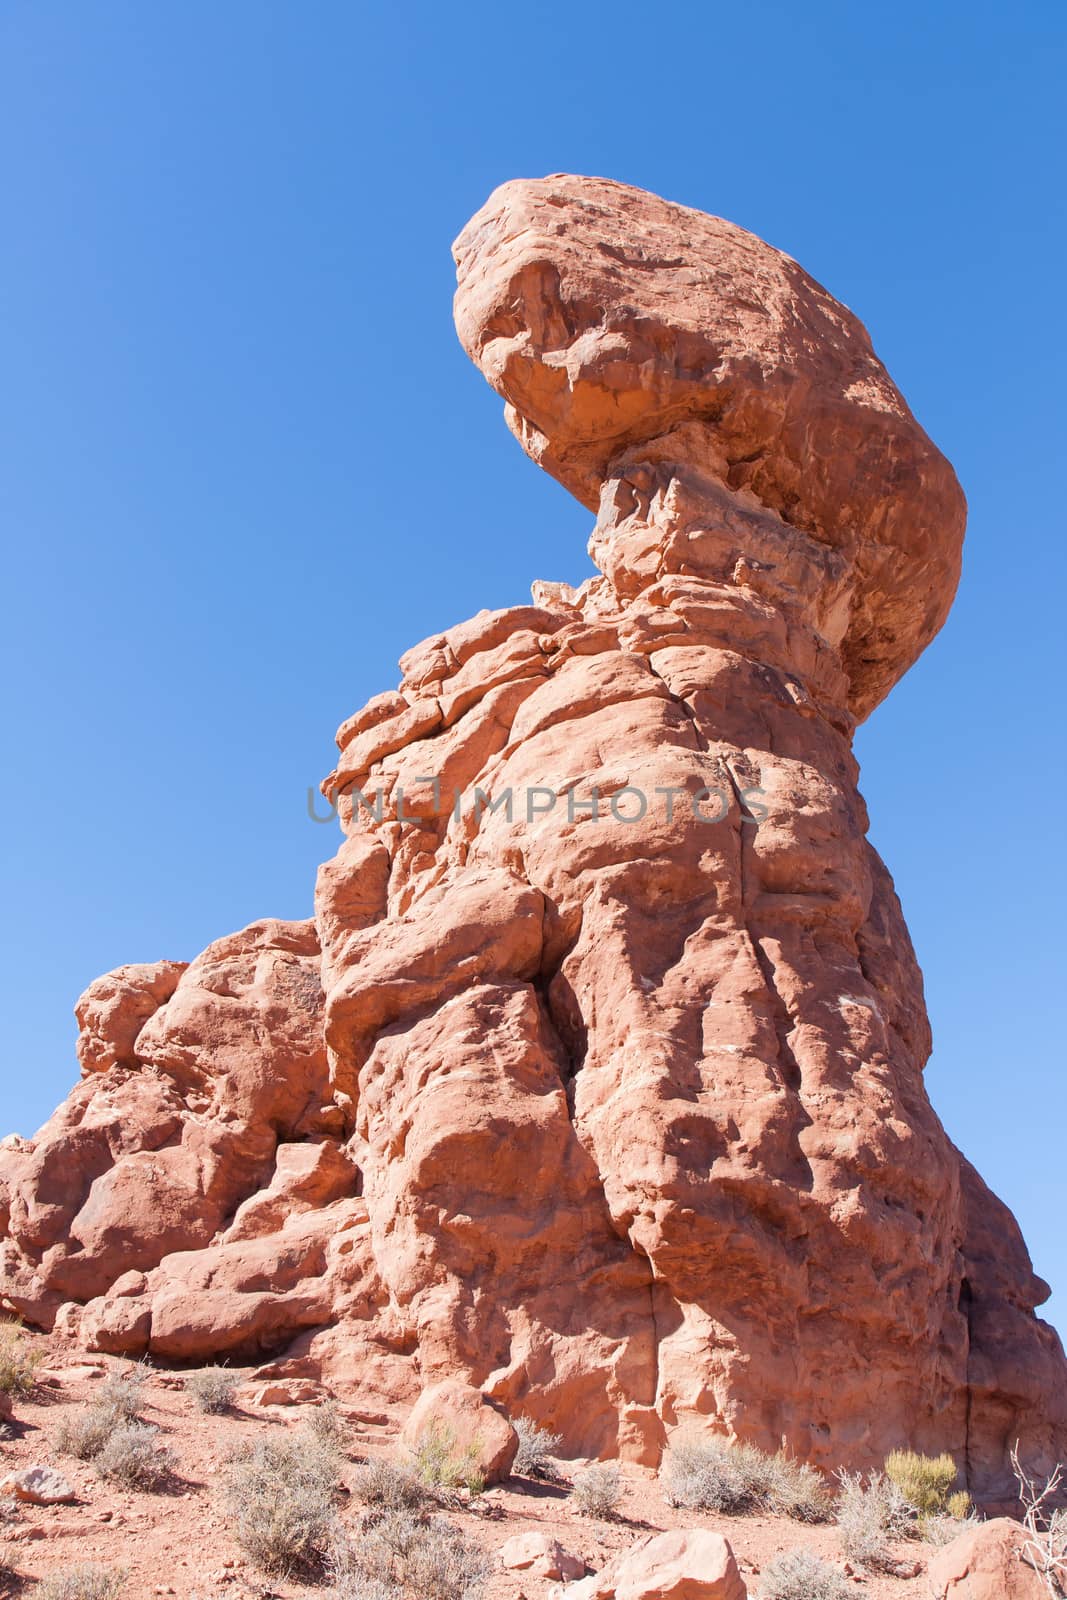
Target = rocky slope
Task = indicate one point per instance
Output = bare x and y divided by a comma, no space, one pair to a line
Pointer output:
597,1078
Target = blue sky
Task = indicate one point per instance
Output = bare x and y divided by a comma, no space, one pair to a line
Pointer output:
245,462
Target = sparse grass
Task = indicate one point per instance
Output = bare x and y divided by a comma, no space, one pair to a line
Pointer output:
798,1575
401,1553
713,1475
442,1464
924,1481
872,1515
537,1448
211,1389
133,1457
390,1486
280,1495
82,1583
597,1491
19,1360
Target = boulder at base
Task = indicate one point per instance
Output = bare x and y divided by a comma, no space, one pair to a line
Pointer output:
986,1563
464,1423
686,1564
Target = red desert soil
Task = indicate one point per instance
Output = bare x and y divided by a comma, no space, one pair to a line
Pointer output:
178,1543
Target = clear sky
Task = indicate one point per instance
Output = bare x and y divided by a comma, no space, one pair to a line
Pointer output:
244,462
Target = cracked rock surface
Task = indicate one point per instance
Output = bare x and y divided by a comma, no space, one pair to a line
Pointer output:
596,1081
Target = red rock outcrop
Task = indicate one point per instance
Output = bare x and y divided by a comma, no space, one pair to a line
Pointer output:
597,1082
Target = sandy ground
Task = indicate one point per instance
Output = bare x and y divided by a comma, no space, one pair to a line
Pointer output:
179,1543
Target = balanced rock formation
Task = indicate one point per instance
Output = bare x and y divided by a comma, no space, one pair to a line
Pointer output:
596,1082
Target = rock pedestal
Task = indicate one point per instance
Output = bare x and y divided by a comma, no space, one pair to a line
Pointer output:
596,1082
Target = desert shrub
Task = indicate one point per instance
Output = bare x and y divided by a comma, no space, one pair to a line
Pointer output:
280,1495
959,1506
122,1393
9,1515
133,1457
597,1491
924,1481
442,1565
871,1515
326,1423
85,1434
424,1558
942,1527
1045,1523
536,1450
117,1406
82,1583
19,1360
713,1475
796,1490
390,1486
211,1389
798,1575
442,1464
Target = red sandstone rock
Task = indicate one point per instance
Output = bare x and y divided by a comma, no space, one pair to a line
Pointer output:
114,1009
988,1562
685,1564
460,1420
38,1486
616,1117
541,1555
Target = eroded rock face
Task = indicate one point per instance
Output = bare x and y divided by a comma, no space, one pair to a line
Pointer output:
597,1083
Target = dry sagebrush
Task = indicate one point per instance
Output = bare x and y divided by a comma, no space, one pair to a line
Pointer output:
109,1432
82,1583
597,1491
19,1360
798,1575
391,1486
713,1475
535,1457
280,1496
211,1389
404,1552
133,1457
872,1515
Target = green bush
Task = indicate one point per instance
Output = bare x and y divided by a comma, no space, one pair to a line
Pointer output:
441,1464
924,1481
